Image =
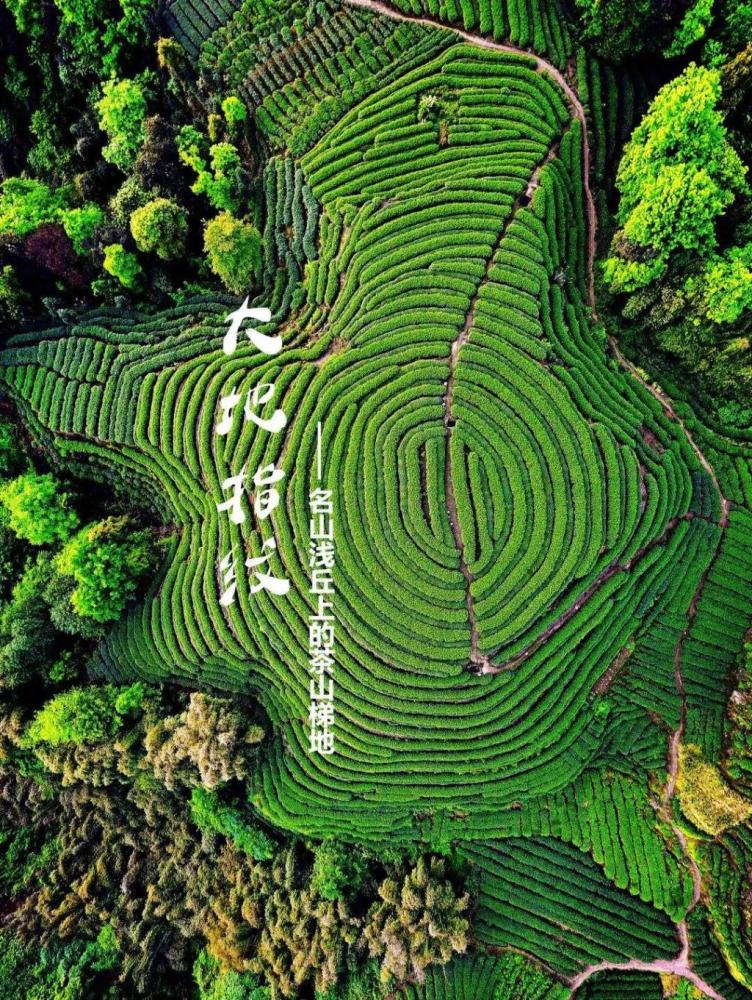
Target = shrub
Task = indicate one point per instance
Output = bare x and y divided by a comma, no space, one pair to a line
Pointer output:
38,508
234,251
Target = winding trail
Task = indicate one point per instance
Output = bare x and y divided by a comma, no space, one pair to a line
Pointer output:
679,966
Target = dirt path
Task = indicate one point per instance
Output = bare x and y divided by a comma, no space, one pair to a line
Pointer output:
680,965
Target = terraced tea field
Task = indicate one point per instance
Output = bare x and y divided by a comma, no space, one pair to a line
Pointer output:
543,568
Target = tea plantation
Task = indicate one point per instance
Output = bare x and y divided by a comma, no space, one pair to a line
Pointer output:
543,565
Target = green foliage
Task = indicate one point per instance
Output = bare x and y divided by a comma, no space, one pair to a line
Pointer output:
725,287
84,715
24,860
12,296
122,113
739,724
692,28
122,264
234,251
234,110
215,984
38,508
11,456
339,869
519,977
160,227
26,204
79,716
128,197
618,28
26,637
678,174
107,560
209,813
60,971
221,176
98,40
80,223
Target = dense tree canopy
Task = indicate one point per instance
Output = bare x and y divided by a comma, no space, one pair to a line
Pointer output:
234,251
678,174
39,510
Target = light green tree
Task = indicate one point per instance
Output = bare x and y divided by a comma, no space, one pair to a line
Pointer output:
122,113
122,264
678,174
234,251
160,227
39,509
106,559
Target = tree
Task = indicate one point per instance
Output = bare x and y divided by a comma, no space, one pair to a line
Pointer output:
234,110
11,456
419,921
26,637
50,253
160,227
339,869
158,166
26,204
122,115
619,28
81,716
234,251
80,223
221,175
678,174
128,197
210,814
725,287
107,560
214,983
692,28
39,509
122,264
209,744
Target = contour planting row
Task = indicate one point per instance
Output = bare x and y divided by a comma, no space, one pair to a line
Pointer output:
510,976
193,21
298,113
398,306
537,24
716,634
550,900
